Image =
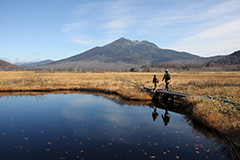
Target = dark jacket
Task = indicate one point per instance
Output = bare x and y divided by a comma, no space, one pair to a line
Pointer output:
155,80
167,77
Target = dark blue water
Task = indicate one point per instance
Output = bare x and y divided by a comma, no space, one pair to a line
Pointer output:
79,126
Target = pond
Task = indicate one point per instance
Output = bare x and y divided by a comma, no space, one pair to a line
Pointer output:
83,126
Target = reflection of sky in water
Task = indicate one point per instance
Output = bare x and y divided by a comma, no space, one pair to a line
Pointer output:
75,126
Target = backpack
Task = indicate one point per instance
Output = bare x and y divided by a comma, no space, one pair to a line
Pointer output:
167,76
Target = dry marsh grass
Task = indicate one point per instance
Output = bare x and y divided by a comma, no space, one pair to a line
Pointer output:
218,115
221,84
105,82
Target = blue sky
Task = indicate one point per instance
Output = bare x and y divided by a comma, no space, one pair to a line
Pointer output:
55,29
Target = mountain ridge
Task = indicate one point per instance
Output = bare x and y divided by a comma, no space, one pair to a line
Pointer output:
232,59
130,52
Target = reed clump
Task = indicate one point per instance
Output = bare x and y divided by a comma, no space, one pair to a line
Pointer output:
27,80
217,115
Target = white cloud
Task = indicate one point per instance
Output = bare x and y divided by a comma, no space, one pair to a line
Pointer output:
225,10
220,40
78,41
117,26
75,26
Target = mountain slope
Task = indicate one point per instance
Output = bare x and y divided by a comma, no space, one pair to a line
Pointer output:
129,52
232,59
5,66
44,62
196,61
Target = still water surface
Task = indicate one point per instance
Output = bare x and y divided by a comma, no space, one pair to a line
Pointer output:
81,126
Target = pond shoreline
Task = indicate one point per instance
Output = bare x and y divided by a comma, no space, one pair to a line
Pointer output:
89,90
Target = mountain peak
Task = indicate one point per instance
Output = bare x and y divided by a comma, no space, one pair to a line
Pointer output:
124,41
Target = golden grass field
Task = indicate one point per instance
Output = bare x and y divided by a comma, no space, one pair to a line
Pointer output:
215,114
222,84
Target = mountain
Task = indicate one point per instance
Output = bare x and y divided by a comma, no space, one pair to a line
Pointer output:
44,62
121,54
129,52
6,66
217,63
232,59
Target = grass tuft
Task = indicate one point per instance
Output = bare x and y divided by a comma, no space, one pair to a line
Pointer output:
223,117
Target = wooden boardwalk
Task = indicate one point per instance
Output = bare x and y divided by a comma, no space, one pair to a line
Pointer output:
179,95
169,93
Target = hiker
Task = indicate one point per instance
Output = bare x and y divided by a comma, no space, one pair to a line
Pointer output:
155,81
154,114
166,118
167,78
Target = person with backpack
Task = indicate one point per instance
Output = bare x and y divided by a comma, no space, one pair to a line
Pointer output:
154,114
167,78
166,118
155,81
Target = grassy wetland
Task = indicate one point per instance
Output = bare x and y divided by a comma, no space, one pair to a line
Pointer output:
220,84
214,114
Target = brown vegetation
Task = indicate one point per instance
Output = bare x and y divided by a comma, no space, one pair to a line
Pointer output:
97,82
221,84
217,114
